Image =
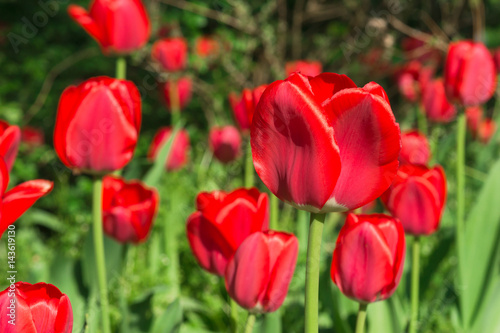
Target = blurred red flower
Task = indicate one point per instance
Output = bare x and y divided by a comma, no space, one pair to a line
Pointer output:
171,53
225,143
179,152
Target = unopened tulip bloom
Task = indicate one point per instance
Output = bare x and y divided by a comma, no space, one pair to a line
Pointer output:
474,117
369,257
118,26
436,105
97,125
38,308
322,144
486,130
470,74
129,209
171,53
32,136
206,47
407,80
183,95
179,151
225,143
417,197
415,148
222,222
14,202
259,274
307,68
10,137
244,105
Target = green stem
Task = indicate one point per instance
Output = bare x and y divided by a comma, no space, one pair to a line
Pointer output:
121,68
175,109
99,252
360,322
275,206
250,323
234,314
461,133
415,273
421,120
312,272
172,251
249,170
302,229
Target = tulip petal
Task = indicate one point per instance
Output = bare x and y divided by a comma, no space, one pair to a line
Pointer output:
369,142
9,145
4,177
248,271
20,198
82,17
325,85
293,145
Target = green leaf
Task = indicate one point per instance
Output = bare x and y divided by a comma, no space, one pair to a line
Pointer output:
152,177
42,218
170,321
482,232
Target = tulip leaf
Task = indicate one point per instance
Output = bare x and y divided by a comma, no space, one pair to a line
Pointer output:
170,320
488,319
482,235
153,176
382,318
42,218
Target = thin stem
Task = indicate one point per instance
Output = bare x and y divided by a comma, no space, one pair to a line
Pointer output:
121,68
360,322
99,252
461,132
171,249
175,108
273,223
421,121
234,314
250,323
415,273
249,170
312,272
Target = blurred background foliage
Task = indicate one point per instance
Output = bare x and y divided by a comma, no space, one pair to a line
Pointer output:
362,39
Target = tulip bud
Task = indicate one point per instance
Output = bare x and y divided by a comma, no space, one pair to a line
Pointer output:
98,124
259,274
35,308
31,136
179,151
304,67
225,143
415,148
171,53
10,137
417,197
118,26
206,47
470,74
474,116
128,209
435,103
408,80
18,199
183,87
486,130
322,144
369,257
244,105
222,222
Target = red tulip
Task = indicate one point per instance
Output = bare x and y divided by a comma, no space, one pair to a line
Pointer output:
369,257
225,143
97,124
469,75
307,68
129,209
179,151
32,136
171,53
407,79
321,144
474,116
258,275
35,308
184,87
436,105
242,106
415,148
417,197
118,26
206,47
496,58
10,137
17,200
222,222
486,130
